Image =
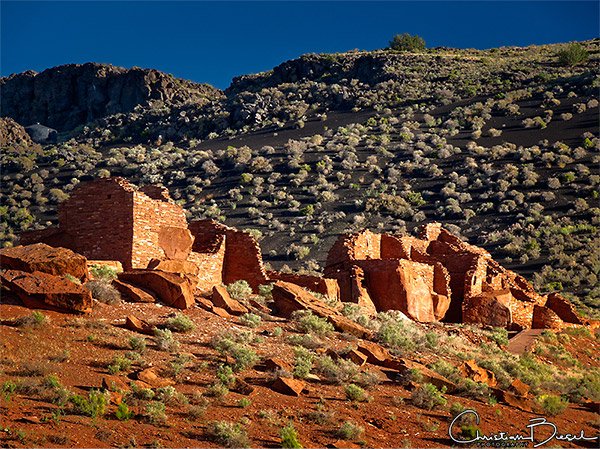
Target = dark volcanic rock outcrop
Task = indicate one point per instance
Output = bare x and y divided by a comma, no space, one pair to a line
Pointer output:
67,96
368,68
11,133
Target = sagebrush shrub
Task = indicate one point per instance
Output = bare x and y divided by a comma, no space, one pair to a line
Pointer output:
356,393
427,396
349,431
93,406
309,323
250,320
180,323
551,404
103,291
103,272
289,437
228,434
165,340
239,289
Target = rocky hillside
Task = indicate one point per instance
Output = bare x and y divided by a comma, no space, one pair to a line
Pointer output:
156,358
499,145
72,95
13,134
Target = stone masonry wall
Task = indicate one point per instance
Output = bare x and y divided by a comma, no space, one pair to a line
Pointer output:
243,258
110,219
359,246
98,221
211,266
150,217
52,236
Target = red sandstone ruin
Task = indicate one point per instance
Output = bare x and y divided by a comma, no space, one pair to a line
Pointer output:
110,219
436,277
439,277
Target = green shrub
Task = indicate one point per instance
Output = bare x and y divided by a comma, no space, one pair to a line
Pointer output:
407,42
225,375
551,404
156,413
456,408
266,291
169,395
396,334
349,431
250,320
305,340
239,290
196,412
178,364
432,340
356,394
138,344
472,389
427,396
304,362
218,390
103,272
289,437
8,388
445,369
93,406
572,54
244,402
578,332
338,371
72,278
469,431
500,336
165,340
309,323
585,386
119,364
123,413
180,323
228,434
145,394
243,356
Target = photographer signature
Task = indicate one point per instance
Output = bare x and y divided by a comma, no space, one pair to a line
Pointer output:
534,423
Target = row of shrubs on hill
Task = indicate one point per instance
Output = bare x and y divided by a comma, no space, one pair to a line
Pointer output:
344,82
570,55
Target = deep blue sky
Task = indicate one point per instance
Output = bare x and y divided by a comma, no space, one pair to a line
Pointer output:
214,41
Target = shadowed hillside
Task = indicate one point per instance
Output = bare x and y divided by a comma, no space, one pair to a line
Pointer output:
500,145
